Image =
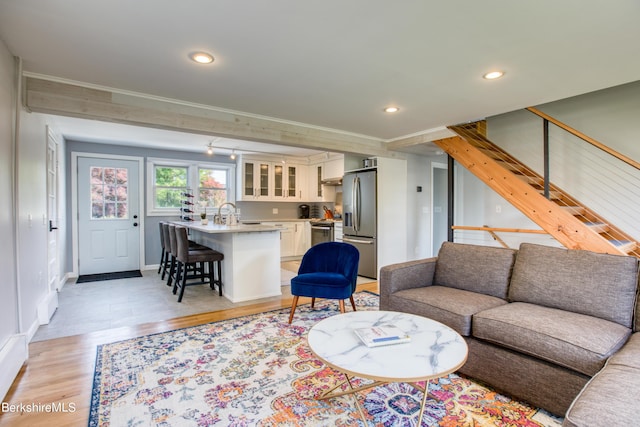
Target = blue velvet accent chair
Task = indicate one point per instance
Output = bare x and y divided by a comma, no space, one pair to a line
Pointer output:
327,270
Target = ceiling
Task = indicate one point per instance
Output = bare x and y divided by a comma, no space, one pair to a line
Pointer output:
330,64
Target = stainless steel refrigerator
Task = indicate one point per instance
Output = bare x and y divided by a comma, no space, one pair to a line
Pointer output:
359,218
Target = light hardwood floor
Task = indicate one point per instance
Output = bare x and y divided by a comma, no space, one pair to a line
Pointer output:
60,371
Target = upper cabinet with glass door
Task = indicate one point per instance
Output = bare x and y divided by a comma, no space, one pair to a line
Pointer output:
288,180
255,180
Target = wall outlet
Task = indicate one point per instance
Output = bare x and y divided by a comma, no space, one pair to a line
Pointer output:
274,211
498,209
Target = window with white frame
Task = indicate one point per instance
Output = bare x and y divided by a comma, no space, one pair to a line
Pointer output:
167,180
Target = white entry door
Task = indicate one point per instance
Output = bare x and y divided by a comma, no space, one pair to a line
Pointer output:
108,217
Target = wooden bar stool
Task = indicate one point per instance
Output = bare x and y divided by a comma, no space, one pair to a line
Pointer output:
166,252
170,252
191,264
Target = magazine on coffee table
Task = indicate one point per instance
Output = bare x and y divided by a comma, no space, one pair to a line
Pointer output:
382,335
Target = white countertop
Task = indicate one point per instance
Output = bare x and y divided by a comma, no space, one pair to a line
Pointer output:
212,228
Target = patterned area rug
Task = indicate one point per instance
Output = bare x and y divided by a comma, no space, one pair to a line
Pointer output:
258,371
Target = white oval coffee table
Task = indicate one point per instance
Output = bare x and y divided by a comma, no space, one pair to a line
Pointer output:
435,350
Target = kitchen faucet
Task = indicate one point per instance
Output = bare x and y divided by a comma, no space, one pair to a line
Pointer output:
218,218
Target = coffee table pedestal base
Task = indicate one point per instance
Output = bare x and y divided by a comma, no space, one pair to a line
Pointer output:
331,393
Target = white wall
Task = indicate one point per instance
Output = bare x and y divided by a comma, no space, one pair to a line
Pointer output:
419,205
32,218
13,349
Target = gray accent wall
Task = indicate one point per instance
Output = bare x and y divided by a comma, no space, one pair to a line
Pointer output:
606,186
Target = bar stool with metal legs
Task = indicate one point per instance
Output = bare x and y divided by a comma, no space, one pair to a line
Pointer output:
190,264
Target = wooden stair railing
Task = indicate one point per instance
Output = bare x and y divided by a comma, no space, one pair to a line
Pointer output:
563,217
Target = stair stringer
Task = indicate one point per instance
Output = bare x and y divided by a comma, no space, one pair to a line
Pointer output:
564,227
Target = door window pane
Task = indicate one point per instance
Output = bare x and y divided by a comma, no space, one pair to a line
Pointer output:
109,193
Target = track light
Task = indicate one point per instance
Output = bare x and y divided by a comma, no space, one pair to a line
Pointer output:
210,148
233,155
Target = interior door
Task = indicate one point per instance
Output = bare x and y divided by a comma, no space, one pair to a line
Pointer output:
53,269
108,217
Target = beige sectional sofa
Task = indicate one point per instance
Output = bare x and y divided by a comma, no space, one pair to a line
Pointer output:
551,326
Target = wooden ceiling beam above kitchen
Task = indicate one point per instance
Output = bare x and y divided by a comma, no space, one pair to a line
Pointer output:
96,103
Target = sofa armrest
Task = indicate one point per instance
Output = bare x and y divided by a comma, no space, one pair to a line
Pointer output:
406,275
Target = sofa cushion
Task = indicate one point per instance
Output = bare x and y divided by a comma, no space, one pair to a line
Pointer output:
636,327
482,269
599,285
453,307
628,355
609,399
575,341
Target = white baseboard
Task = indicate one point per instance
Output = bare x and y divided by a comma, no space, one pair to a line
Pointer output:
47,307
151,267
12,356
66,278
32,330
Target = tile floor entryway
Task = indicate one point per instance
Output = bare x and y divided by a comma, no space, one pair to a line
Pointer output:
95,306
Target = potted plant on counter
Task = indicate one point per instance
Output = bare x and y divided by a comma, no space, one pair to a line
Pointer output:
203,217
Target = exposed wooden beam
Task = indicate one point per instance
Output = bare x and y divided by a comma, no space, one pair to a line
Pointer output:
66,99
422,138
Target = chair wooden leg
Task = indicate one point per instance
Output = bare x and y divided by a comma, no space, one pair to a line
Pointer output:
172,270
183,282
353,303
178,273
293,308
220,278
313,302
212,277
161,262
342,310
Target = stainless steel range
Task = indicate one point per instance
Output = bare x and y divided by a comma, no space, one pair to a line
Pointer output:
321,231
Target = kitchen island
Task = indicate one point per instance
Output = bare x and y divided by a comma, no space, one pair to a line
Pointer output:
251,266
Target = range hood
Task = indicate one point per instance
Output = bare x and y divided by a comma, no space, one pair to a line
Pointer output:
332,181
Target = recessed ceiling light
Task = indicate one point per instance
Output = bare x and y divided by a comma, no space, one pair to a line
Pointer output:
493,75
201,57
391,109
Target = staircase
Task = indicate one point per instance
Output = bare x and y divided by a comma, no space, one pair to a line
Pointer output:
560,215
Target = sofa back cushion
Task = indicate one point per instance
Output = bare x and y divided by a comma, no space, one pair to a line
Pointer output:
474,268
585,282
636,328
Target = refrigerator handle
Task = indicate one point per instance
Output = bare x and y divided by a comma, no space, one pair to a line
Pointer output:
356,203
365,242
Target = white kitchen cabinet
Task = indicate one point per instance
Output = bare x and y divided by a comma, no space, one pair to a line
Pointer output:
255,180
302,237
337,231
316,189
295,238
267,180
333,168
289,182
286,237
